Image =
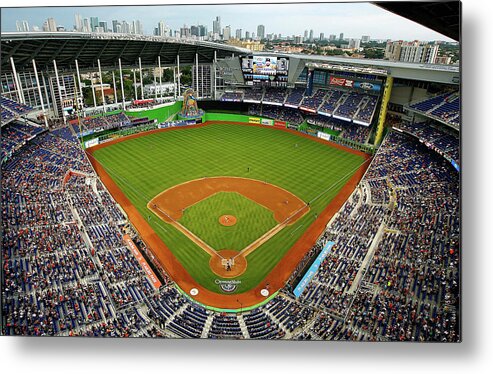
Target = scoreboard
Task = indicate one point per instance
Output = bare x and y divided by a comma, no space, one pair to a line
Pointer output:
265,70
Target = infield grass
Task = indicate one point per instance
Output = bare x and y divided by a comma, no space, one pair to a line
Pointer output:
144,167
252,220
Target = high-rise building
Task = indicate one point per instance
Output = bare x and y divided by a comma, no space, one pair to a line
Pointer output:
311,35
354,43
114,25
216,26
22,26
298,39
415,51
238,34
261,32
305,35
161,29
78,23
185,32
94,23
125,27
139,28
103,25
202,30
86,25
227,33
365,39
49,25
322,36
332,37
247,35
341,36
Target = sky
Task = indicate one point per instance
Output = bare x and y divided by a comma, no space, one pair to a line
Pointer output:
352,19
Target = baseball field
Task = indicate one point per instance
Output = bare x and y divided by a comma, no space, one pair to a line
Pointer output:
228,200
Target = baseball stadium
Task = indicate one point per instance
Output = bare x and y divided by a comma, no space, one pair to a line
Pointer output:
274,196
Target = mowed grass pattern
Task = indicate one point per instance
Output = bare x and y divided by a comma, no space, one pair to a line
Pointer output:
145,166
253,220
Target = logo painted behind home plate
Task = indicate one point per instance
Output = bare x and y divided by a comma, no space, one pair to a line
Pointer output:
228,285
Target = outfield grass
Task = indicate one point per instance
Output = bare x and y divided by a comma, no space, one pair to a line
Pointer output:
253,220
146,166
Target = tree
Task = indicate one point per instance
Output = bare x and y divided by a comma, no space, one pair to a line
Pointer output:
186,76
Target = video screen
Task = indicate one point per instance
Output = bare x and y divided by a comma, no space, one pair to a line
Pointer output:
265,70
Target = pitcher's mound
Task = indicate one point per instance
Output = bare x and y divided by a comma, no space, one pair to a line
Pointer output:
229,264
227,220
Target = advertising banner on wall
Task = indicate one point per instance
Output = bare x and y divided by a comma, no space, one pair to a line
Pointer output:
342,82
91,143
313,269
323,135
254,120
267,122
280,124
142,261
367,86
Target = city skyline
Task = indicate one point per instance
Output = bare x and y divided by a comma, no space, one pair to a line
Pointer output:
352,19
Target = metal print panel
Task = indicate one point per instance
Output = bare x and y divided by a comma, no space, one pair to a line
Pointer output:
266,173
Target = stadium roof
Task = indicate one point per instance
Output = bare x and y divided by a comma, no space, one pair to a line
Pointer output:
440,73
87,48
440,16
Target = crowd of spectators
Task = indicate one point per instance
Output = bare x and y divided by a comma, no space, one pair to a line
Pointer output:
313,102
254,94
367,109
349,106
274,95
232,96
103,122
445,107
289,115
392,273
295,96
14,107
445,141
409,288
15,135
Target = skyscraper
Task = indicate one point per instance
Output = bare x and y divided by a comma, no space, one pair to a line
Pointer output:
322,36
216,26
305,35
22,26
50,25
86,25
185,32
139,27
94,23
78,22
227,33
332,37
104,26
311,35
125,27
114,25
354,43
365,39
247,34
238,34
261,32
161,27
341,36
